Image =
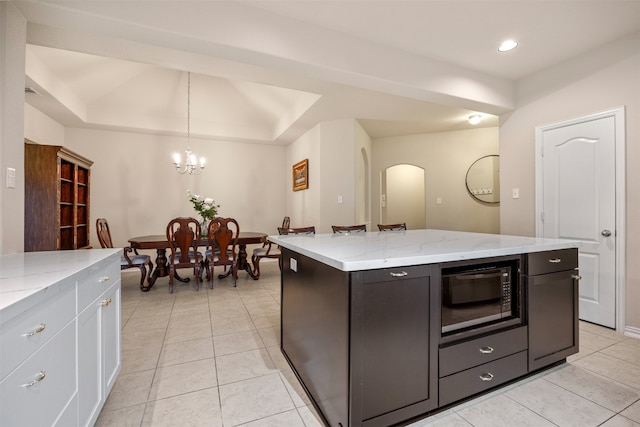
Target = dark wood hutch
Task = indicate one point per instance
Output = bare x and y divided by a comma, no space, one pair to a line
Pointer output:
56,205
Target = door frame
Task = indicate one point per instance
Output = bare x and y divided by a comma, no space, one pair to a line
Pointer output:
618,113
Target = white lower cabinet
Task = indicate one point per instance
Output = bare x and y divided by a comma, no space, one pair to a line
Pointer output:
40,389
98,353
60,349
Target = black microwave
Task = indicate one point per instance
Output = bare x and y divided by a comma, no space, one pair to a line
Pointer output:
480,297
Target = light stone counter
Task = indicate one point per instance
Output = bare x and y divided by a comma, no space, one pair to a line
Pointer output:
26,278
383,249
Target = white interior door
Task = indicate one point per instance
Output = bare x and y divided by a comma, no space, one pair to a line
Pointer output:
578,201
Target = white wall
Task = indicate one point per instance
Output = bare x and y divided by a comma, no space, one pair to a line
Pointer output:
135,186
41,128
362,153
597,81
13,35
445,157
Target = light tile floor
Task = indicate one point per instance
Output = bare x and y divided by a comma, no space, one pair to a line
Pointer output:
211,358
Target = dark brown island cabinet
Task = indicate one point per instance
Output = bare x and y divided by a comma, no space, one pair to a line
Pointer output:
371,350
56,205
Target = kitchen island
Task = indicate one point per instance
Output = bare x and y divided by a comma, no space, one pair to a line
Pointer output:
363,318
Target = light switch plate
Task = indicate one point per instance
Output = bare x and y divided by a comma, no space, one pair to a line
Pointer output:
293,264
11,178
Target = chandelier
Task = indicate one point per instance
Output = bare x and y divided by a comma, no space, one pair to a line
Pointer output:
190,165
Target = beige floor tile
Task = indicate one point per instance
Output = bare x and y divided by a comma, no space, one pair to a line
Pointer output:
297,393
610,367
145,323
129,390
229,326
186,351
601,390
624,350
633,412
270,335
139,359
558,405
285,419
125,417
185,331
620,421
310,417
187,377
254,399
584,350
142,338
237,342
501,411
445,419
245,365
600,330
199,408
596,341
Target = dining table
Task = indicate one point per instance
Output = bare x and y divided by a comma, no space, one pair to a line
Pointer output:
160,243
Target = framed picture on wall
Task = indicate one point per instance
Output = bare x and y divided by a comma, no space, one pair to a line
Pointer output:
301,175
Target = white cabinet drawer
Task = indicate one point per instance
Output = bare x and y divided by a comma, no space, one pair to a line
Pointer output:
27,332
39,390
100,277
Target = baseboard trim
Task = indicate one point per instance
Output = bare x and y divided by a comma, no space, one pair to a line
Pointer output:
632,332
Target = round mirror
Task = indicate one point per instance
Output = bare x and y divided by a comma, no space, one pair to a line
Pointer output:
483,179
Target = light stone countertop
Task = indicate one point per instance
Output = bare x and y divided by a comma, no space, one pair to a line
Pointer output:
383,249
27,277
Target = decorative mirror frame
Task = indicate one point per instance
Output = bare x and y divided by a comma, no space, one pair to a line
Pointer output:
483,193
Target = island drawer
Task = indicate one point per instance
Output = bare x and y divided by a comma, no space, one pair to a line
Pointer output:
552,261
30,330
481,378
472,353
100,277
396,273
40,389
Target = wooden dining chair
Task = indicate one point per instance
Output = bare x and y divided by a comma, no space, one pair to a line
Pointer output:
268,250
392,227
143,262
348,229
183,235
223,236
297,230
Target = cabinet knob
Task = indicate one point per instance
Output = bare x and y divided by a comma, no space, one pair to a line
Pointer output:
106,302
486,350
606,233
103,279
555,260
39,329
486,377
576,276
41,376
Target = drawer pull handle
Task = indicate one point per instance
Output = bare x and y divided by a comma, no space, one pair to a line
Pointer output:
106,302
39,329
401,274
576,276
41,376
486,377
103,279
555,260
486,350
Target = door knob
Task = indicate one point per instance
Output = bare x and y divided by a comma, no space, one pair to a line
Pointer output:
606,233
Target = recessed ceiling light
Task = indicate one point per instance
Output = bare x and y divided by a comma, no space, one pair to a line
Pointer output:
507,45
475,119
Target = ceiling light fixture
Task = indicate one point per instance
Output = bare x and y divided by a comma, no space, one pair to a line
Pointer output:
190,165
507,45
475,119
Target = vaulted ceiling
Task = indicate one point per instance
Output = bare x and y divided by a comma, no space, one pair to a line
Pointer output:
266,71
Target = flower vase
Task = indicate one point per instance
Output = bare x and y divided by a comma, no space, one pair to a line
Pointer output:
204,225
